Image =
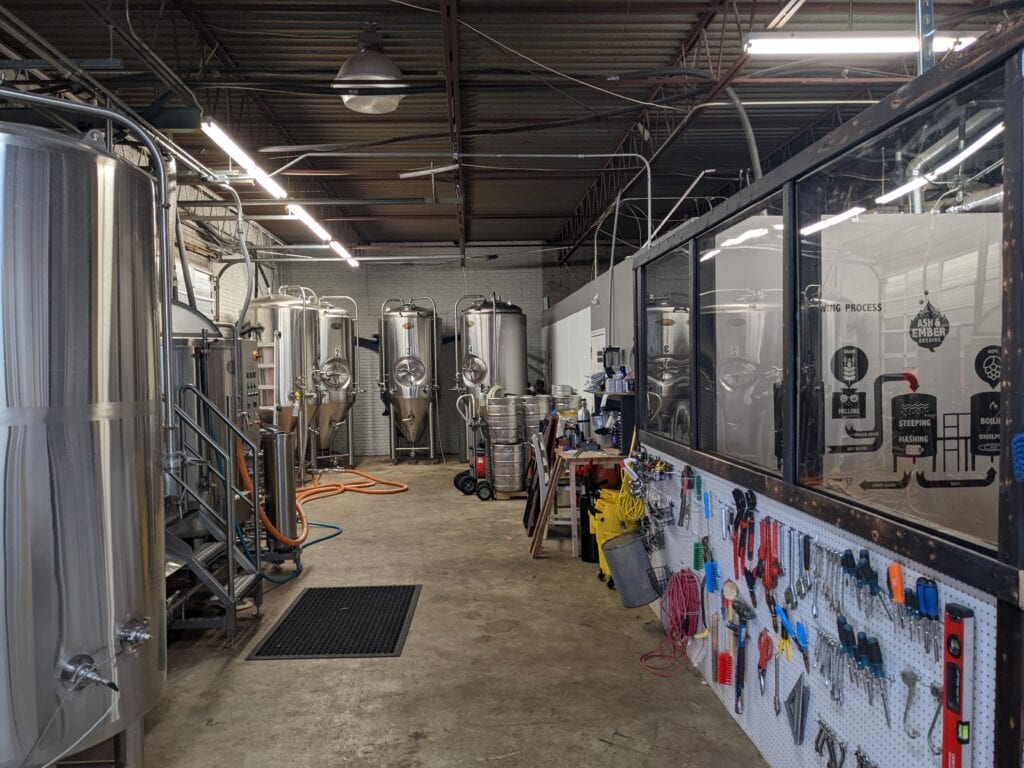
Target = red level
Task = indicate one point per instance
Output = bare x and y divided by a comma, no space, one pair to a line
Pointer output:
958,687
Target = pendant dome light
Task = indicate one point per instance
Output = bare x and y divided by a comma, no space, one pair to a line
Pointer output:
370,63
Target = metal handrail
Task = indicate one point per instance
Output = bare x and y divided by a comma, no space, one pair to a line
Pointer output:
230,491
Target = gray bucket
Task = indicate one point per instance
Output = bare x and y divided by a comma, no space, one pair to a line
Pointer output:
629,562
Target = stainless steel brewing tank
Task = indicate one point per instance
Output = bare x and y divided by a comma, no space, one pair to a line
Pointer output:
493,334
80,445
668,354
286,331
335,371
407,360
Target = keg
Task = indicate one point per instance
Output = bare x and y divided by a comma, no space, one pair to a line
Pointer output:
509,467
503,420
534,409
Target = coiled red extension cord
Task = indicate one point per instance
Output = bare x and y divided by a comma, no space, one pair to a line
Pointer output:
680,616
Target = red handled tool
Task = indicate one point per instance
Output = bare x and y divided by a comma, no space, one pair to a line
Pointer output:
958,687
765,652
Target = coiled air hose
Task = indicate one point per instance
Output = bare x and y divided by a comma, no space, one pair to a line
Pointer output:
312,493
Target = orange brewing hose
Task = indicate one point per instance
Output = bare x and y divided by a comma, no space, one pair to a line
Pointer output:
314,492
247,481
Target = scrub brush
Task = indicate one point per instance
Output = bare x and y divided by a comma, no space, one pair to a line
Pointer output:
712,575
698,556
1017,446
724,668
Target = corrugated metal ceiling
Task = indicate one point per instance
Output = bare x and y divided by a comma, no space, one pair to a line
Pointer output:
263,68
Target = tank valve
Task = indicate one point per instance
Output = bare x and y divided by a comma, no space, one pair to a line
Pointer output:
133,635
79,672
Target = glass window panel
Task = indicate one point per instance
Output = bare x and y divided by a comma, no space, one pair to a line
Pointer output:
900,244
740,394
668,362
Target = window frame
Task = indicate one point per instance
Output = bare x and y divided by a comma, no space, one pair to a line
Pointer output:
996,573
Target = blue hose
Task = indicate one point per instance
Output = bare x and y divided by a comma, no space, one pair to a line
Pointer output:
336,531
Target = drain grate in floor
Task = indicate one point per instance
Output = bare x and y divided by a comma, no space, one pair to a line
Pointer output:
342,623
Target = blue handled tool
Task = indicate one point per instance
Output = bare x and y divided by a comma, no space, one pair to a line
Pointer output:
878,670
799,634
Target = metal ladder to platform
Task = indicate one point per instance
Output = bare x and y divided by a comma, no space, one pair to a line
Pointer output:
218,562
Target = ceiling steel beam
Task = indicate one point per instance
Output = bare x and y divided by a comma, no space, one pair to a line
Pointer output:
667,128
453,97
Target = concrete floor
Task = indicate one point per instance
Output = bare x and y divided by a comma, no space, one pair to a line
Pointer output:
509,662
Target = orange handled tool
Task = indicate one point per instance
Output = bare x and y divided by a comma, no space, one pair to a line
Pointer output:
894,580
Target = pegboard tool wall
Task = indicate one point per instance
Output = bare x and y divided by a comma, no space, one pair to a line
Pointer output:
856,722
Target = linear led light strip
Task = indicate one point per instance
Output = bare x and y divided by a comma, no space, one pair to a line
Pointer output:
240,156
849,43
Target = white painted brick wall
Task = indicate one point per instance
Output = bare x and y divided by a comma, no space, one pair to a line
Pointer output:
445,283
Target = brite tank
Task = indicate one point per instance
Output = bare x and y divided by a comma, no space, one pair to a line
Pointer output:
486,364
286,330
336,371
408,366
80,443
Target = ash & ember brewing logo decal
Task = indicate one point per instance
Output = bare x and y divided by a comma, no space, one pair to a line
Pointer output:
930,327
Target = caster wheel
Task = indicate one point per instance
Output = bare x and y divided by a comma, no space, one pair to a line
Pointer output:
458,479
610,584
484,492
600,575
467,484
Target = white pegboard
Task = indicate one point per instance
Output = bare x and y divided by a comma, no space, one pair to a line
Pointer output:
857,723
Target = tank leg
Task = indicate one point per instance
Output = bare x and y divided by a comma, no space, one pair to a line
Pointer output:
394,437
128,747
430,430
351,450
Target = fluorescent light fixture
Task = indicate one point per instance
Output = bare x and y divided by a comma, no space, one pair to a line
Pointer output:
778,227
339,249
315,226
950,42
352,262
926,179
225,142
710,254
240,156
750,234
783,43
428,171
831,221
264,180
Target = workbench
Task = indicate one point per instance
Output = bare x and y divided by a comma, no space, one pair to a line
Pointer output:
568,461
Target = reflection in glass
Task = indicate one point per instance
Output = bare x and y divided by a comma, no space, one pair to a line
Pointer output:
901,315
668,361
740,330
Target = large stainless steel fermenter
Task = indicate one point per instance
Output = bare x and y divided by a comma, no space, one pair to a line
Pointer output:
408,381
490,346
337,372
82,638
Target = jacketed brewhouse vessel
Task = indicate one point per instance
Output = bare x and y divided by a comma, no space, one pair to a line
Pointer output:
408,375
286,325
82,640
337,372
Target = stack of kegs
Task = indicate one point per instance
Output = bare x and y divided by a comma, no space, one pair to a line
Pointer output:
566,398
508,450
534,410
